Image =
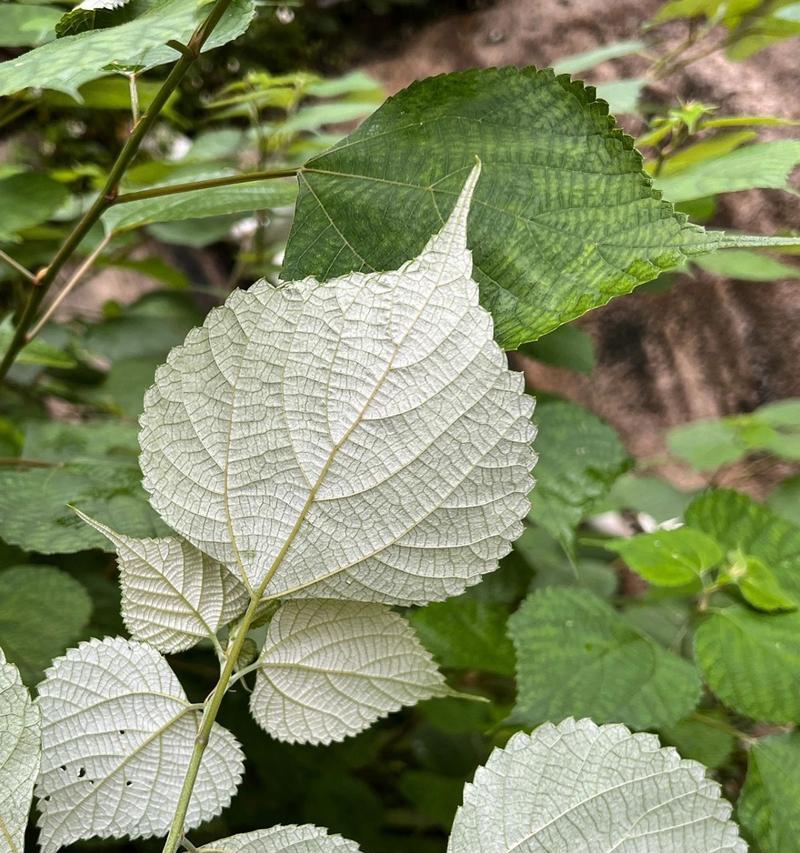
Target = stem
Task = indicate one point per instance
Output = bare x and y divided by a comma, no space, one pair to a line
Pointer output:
230,180
212,706
16,265
109,192
68,287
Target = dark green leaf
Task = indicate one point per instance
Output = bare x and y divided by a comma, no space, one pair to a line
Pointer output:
576,656
28,199
701,738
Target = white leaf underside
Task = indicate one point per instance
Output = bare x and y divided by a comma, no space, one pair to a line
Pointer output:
361,439
117,736
584,788
172,594
329,669
283,839
20,735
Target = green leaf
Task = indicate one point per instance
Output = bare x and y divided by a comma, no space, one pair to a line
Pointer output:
784,500
433,795
576,656
747,266
764,165
622,96
580,456
42,611
67,63
707,444
740,524
566,346
651,495
37,352
760,587
596,56
752,662
94,467
700,738
84,16
669,557
28,199
466,633
23,24
769,805
199,204
708,149
564,218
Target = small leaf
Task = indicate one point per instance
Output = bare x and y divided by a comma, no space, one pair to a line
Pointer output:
117,736
67,63
564,218
763,165
466,633
669,557
769,805
701,738
283,839
20,748
393,466
172,594
42,611
330,669
576,655
747,266
761,589
580,456
707,444
28,199
752,662
582,787
739,524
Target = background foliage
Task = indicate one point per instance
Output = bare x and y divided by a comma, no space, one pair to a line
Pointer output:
606,607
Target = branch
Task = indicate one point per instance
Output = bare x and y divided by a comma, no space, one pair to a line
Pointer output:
229,181
109,192
23,271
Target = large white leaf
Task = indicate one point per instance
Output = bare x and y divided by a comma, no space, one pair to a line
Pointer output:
117,735
361,439
20,739
172,594
284,839
330,669
584,788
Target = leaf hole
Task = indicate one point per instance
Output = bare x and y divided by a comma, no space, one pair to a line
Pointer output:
122,731
81,772
128,783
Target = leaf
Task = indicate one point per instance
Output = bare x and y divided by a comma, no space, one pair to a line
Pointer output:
172,594
596,56
760,587
577,656
752,662
42,611
84,16
466,633
37,352
669,557
20,749
580,456
283,839
361,440
22,24
566,346
329,669
27,199
769,805
738,523
197,204
582,787
701,738
763,165
747,266
117,736
784,500
67,63
707,444
564,218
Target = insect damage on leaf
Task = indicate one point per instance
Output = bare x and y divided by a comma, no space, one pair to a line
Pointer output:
361,439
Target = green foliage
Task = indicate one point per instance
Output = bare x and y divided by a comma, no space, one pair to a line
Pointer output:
579,458
42,611
28,199
27,24
577,657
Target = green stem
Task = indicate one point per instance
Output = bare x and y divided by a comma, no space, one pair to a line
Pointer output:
109,192
16,265
230,180
212,706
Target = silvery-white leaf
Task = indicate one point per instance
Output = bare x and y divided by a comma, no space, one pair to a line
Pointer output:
360,439
94,5
117,736
172,594
20,739
583,788
283,839
330,669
